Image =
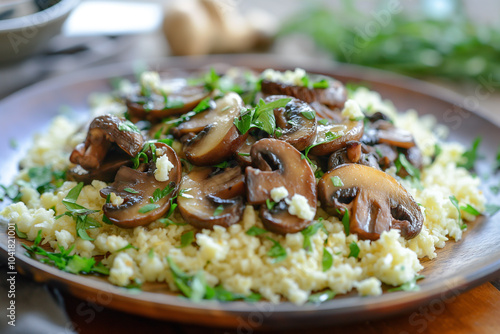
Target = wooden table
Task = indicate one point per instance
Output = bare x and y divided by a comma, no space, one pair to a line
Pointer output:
476,311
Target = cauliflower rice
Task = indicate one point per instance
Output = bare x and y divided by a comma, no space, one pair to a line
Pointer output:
237,261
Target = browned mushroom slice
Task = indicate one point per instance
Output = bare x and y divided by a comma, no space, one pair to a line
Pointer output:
353,152
106,171
396,137
297,121
376,201
180,99
219,140
103,131
201,120
242,154
278,164
212,196
334,96
145,198
342,133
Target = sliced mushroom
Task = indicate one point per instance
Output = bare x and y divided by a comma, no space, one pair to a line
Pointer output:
297,129
242,154
334,96
218,141
201,120
137,187
106,171
376,202
205,190
277,163
344,132
103,131
384,132
153,107
354,152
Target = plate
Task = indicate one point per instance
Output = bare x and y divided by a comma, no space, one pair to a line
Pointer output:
458,267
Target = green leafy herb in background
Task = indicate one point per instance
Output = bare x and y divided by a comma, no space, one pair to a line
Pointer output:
413,43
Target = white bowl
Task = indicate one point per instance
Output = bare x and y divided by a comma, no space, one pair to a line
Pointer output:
29,34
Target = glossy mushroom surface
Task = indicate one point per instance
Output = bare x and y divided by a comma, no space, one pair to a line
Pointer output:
376,202
275,164
137,187
212,196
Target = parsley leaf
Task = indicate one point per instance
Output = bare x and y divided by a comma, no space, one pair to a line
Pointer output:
262,116
454,201
128,126
471,210
254,231
354,249
218,210
20,234
309,231
149,207
345,222
323,122
323,83
401,161
411,285
337,182
310,114
203,105
161,193
327,260
277,252
130,190
187,239
470,156
320,297
270,204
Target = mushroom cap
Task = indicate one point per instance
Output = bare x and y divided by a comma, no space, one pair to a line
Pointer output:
144,184
152,107
296,129
277,163
348,131
375,200
207,188
103,131
219,140
334,96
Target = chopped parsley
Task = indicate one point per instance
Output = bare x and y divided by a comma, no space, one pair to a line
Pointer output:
196,288
218,210
345,222
254,231
149,207
243,154
470,156
337,182
454,201
270,204
262,116
277,252
323,122
309,231
320,297
130,190
20,234
471,210
187,239
158,194
401,161
326,260
63,260
127,247
128,126
310,114
354,249
203,105
411,285
79,213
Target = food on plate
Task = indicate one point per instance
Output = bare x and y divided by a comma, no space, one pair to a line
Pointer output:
239,185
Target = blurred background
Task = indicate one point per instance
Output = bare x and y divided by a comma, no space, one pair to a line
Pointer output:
455,43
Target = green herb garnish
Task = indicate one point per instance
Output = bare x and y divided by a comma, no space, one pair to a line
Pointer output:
354,249
337,182
277,252
327,260
470,156
254,231
320,297
148,207
309,231
262,116
411,285
454,201
187,239
128,126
